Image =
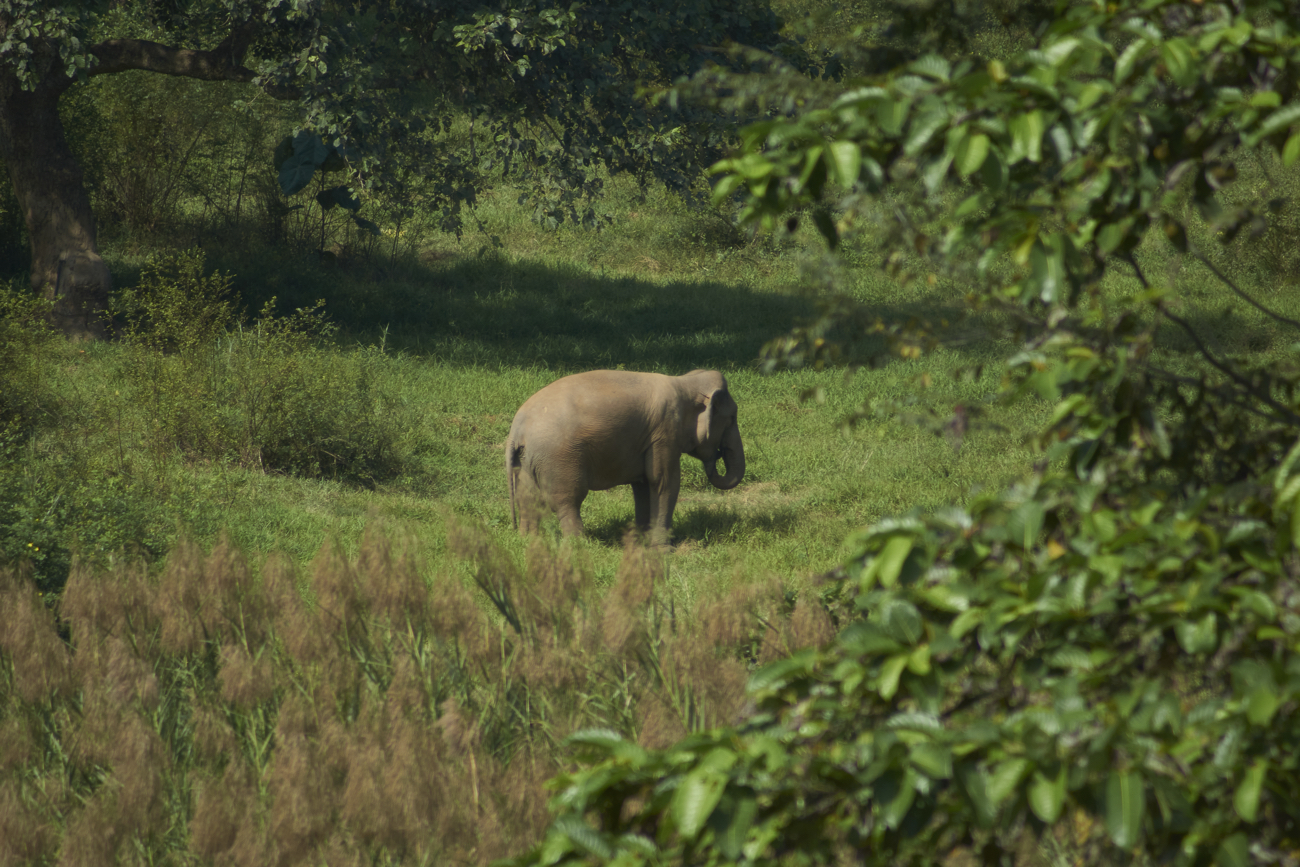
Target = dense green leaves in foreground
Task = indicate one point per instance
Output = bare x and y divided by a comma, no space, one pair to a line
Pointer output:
1106,659
1036,658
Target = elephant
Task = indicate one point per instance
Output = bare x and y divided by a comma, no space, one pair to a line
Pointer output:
596,430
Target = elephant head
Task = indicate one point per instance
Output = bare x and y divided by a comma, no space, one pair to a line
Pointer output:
719,437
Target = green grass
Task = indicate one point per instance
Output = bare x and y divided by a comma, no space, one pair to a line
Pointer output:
471,328
469,331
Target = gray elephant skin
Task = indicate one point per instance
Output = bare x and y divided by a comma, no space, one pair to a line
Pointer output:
596,430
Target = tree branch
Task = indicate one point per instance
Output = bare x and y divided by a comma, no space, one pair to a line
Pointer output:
223,63
1204,260
1225,369
120,55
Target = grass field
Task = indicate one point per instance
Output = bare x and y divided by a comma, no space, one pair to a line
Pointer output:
469,331
255,696
374,612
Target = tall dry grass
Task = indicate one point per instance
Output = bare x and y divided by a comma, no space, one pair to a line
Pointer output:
363,712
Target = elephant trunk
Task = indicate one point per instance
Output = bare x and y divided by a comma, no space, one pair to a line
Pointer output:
732,452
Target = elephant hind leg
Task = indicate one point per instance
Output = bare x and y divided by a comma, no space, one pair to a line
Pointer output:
528,501
568,508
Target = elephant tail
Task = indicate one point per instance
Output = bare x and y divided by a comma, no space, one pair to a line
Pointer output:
514,462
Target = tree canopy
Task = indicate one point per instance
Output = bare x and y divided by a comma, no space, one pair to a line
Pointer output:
555,85
1104,658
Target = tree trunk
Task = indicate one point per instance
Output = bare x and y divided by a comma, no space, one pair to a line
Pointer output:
47,180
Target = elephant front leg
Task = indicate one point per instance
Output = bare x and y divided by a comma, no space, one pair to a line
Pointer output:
663,499
641,498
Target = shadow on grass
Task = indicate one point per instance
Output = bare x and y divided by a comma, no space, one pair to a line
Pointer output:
701,525
494,312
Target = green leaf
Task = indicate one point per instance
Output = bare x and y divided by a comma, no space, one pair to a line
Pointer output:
1279,119
1025,523
966,621
864,638
609,743
732,820
1005,778
340,196
994,172
1179,60
584,836
933,760
889,675
367,226
1262,703
309,146
775,673
1047,265
1198,636
923,128
1128,59
1234,852
916,721
694,800
1125,808
933,66
295,174
846,160
902,622
725,186
1246,799
896,808
1291,151
1047,795
1026,137
283,151
970,153
975,784
889,562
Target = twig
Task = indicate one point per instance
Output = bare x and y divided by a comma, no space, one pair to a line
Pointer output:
1240,292
1225,369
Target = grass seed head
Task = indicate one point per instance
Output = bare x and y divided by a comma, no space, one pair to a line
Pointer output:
245,680
224,828
301,798
41,662
214,739
454,615
130,678
116,602
338,592
810,625
25,836
181,599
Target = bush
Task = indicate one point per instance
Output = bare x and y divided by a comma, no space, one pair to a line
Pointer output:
26,399
270,393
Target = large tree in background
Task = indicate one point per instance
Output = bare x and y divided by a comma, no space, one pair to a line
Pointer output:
556,83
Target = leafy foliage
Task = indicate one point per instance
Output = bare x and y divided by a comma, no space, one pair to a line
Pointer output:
554,86
1106,656
268,394
1039,657
1063,159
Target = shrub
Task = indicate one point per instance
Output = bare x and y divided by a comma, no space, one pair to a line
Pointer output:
270,393
26,399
